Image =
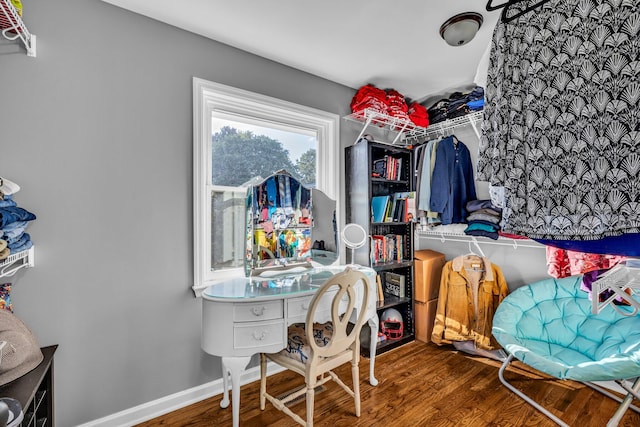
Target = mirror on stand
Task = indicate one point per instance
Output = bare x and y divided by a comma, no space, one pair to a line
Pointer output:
354,236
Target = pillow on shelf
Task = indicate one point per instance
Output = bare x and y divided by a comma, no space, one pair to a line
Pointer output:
5,297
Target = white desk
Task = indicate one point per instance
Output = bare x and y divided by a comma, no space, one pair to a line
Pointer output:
250,315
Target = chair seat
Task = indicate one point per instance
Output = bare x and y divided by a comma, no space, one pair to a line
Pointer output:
298,347
549,325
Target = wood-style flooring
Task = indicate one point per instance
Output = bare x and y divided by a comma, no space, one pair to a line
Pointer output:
419,385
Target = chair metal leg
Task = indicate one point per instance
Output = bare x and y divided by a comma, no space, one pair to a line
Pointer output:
632,392
524,396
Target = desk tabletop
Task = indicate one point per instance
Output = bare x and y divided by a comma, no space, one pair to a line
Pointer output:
284,284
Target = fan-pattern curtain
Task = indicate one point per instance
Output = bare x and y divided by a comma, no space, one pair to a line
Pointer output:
562,120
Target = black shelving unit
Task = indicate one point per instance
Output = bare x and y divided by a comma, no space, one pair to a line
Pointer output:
361,187
34,391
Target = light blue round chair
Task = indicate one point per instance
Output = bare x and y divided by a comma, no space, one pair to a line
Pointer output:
549,325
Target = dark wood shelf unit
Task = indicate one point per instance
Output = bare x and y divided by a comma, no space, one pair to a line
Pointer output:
34,391
361,187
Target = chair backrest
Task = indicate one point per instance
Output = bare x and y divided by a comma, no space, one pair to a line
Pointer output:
352,284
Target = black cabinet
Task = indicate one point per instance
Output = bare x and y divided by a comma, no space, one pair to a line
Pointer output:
34,391
377,170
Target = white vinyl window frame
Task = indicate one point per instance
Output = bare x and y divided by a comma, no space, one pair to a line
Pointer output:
213,98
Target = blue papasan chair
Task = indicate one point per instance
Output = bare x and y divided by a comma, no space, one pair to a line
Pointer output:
549,325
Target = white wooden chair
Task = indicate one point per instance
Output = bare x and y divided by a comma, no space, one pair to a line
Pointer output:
316,349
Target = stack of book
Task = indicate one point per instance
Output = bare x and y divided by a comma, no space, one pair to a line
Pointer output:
398,207
388,167
387,248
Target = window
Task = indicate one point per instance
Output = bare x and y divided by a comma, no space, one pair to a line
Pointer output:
240,138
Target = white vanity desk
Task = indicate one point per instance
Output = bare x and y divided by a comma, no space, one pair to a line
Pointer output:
250,315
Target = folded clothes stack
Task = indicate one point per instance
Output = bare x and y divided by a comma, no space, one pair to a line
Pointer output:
13,222
370,97
456,105
389,102
418,114
397,105
484,219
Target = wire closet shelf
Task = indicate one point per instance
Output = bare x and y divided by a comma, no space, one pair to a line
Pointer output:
11,265
406,132
13,27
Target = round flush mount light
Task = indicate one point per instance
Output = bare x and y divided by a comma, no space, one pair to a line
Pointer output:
460,29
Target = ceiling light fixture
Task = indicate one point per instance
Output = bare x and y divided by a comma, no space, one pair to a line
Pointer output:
461,28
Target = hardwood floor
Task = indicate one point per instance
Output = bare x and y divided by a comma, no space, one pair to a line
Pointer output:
419,385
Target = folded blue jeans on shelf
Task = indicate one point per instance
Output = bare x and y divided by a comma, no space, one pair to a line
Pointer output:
13,230
12,214
17,243
27,245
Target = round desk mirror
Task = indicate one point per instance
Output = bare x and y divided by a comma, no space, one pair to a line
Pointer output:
354,237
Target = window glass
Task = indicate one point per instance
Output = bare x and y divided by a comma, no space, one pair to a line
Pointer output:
243,154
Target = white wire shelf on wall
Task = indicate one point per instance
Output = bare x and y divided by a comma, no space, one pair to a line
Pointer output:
11,265
454,234
405,130
446,127
13,27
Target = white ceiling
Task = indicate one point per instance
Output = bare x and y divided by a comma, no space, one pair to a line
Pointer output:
353,42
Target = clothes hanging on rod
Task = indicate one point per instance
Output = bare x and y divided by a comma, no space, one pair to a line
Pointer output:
561,119
471,287
452,183
426,155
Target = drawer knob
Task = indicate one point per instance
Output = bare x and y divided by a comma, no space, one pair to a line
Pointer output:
259,336
258,311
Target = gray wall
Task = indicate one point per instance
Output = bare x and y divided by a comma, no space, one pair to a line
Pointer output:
97,129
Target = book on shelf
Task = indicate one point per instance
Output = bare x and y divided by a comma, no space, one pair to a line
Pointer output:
379,208
394,284
408,210
387,248
387,167
379,289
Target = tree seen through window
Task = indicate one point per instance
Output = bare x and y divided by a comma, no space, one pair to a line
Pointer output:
240,156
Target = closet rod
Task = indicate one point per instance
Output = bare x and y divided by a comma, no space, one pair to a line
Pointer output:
443,237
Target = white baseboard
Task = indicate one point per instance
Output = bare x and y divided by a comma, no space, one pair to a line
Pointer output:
164,405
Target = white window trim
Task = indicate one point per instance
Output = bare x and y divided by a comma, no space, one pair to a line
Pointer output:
209,97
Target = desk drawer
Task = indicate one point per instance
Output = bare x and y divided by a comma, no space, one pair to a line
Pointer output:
259,335
298,307
251,312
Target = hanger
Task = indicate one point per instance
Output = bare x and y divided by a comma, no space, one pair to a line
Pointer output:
505,7
472,252
475,265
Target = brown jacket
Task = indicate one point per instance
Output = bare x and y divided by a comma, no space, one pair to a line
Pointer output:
471,288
